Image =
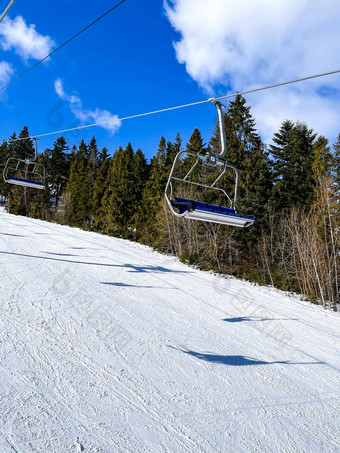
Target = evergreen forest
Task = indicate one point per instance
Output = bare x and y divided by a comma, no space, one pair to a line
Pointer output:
291,186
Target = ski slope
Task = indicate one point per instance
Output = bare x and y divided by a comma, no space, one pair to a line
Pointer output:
108,346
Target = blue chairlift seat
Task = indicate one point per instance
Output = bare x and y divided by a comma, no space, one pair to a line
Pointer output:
25,182
197,210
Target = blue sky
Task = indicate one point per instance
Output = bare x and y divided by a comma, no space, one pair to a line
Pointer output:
125,64
142,57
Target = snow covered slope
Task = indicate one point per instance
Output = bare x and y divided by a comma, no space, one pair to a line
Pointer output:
107,346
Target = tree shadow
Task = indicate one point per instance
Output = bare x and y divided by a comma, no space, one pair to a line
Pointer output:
238,360
122,285
256,318
132,267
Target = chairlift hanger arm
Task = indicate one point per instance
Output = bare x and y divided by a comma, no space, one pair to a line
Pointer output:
9,6
219,106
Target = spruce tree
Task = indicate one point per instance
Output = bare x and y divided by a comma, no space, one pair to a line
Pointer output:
22,147
322,160
57,168
119,200
293,156
93,152
77,190
100,187
336,165
258,184
146,216
195,142
195,145
103,155
92,165
141,174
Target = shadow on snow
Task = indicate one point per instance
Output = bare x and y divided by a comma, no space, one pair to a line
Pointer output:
132,267
16,235
256,318
122,285
238,360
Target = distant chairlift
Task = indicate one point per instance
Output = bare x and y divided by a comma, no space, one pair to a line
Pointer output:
198,210
25,172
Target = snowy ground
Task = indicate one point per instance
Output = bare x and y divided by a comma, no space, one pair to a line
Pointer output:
107,346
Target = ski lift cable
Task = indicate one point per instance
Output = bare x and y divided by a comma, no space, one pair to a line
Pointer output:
168,109
61,46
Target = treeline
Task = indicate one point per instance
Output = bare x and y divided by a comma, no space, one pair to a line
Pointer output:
292,187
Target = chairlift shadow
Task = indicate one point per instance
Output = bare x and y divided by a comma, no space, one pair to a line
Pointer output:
256,319
238,360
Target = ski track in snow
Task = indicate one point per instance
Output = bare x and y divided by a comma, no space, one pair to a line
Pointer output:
108,346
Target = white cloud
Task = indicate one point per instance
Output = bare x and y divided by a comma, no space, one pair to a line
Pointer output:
243,44
111,122
6,71
24,39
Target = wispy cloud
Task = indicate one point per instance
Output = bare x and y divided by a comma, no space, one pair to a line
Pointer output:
111,122
250,43
6,71
16,35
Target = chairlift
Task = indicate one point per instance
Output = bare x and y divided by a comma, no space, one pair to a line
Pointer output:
25,172
199,210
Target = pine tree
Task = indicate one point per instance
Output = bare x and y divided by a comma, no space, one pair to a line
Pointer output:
141,175
100,187
194,145
146,216
77,190
322,159
293,156
258,183
92,165
57,168
103,155
336,166
71,156
119,199
195,142
93,152
21,147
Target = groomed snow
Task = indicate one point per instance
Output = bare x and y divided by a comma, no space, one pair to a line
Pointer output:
108,346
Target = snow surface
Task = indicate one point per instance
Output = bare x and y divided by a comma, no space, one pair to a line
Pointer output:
108,346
